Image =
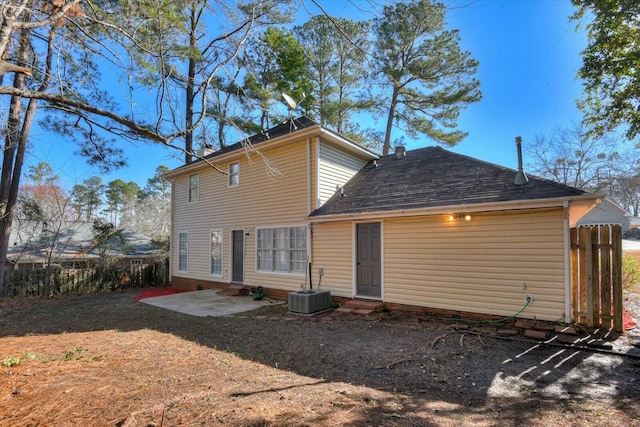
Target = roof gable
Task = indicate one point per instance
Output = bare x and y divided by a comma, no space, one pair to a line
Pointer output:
434,177
298,128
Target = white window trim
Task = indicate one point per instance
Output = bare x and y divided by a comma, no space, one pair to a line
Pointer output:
229,184
283,273
197,192
178,265
221,231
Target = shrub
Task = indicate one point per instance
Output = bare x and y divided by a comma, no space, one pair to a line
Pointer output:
630,272
10,362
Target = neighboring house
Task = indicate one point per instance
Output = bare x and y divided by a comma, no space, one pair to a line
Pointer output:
607,212
424,228
72,244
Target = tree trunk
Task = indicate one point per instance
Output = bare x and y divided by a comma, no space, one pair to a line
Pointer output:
10,15
16,145
386,148
190,93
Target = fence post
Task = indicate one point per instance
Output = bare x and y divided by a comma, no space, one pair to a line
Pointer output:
617,278
605,275
596,240
575,285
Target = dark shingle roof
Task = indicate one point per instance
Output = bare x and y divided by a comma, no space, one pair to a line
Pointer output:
433,177
34,240
284,128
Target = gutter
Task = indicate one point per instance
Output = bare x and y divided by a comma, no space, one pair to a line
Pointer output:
449,209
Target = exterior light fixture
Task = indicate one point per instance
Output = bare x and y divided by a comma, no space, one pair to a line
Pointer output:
453,217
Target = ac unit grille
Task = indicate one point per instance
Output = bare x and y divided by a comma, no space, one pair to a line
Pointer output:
307,302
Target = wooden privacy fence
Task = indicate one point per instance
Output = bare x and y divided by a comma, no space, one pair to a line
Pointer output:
596,276
40,282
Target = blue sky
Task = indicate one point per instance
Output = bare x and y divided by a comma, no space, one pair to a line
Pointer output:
528,51
529,54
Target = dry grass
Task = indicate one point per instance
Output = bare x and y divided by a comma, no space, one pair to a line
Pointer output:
105,360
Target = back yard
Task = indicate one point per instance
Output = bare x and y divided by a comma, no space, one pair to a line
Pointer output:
107,360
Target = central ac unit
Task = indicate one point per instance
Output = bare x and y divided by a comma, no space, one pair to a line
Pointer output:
307,302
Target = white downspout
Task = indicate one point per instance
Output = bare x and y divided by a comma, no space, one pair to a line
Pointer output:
308,176
318,177
172,239
567,263
309,210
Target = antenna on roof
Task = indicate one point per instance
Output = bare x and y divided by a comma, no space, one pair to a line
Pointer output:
292,106
290,102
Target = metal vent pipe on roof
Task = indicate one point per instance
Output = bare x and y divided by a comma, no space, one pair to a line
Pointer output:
521,177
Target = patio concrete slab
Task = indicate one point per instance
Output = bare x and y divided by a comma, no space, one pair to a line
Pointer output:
206,303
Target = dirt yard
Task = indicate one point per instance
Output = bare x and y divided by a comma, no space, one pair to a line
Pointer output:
106,360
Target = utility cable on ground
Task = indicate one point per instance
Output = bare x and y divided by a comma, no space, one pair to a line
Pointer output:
504,319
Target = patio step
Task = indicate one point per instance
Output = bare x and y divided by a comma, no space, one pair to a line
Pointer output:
363,304
360,307
235,289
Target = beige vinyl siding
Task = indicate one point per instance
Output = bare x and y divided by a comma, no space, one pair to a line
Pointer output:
478,266
333,251
335,168
260,200
314,146
578,210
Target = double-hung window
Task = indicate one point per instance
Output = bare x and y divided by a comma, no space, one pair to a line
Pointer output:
194,184
182,251
282,249
234,174
216,253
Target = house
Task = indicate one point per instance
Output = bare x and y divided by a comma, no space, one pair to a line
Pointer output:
73,245
425,229
607,211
